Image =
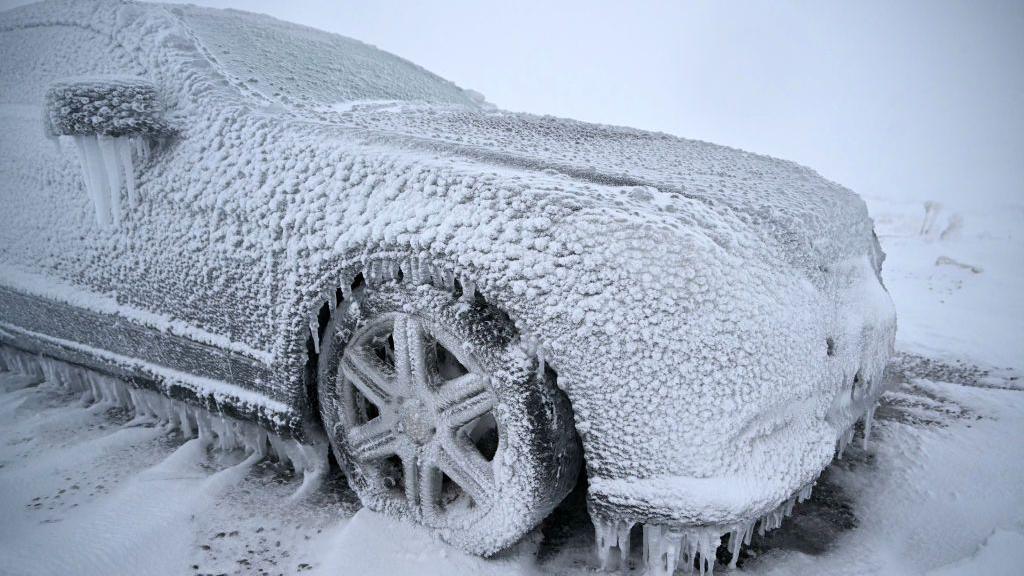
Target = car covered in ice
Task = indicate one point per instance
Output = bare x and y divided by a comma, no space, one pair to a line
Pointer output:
471,307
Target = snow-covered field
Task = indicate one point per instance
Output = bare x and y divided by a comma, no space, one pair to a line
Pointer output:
937,491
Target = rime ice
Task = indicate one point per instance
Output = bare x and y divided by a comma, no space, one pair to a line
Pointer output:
715,317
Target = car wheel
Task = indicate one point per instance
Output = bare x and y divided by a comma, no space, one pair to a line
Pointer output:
436,415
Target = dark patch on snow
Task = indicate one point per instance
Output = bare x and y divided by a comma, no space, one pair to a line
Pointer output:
957,371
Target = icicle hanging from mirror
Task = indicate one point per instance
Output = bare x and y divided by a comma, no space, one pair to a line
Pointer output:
108,168
111,121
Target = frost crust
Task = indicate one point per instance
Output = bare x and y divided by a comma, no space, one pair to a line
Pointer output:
715,317
110,106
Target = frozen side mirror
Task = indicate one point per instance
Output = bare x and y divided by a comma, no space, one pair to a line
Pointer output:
114,122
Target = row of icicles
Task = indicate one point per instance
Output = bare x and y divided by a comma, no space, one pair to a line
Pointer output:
150,408
667,549
420,271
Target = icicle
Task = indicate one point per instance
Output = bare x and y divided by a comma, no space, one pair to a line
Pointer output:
529,343
844,440
738,536
869,419
468,290
417,271
137,407
91,394
120,394
426,272
314,332
184,422
661,550
540,362
612,534
98,174
393,269
142,148
112,169
805,492
124,154
332,300
88,156
413,275
205,429
71,379
279,450
260,438
406,267
102,392
346,289
50,372
224,432
314,466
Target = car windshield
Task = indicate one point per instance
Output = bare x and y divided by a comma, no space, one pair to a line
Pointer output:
296,65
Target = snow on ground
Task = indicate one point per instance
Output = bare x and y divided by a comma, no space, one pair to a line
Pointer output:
936,492
956,276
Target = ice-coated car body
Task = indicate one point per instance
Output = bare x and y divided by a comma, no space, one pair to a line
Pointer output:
715,317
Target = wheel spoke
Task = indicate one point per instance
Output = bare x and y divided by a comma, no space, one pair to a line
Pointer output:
366,377
410,355
372,441
461,400
431,406
413,484
467,468
430,488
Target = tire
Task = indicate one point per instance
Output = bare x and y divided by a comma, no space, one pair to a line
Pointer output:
437,416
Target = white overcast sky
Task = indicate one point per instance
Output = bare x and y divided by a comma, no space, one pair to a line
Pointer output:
915,99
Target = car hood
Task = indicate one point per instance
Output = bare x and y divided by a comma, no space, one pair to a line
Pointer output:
813,220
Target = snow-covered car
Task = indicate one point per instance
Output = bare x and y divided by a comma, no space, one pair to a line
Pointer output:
293,228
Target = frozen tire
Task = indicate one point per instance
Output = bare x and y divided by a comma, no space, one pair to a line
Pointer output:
436,415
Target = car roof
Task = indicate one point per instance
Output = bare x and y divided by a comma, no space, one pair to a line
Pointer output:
299,66
230,53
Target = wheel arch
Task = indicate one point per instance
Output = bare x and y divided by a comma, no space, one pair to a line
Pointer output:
552,412
332,285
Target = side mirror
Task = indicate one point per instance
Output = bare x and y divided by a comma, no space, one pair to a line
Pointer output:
113,121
